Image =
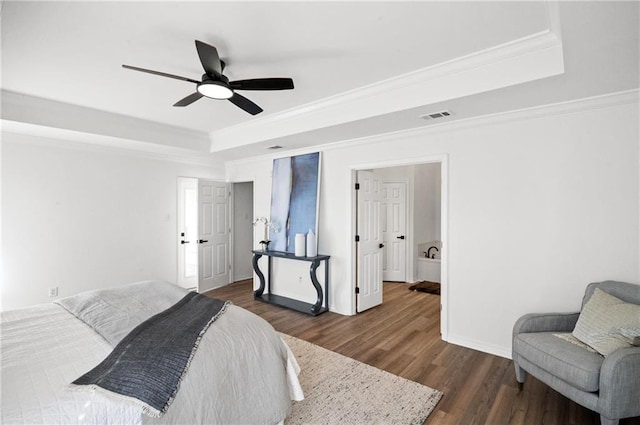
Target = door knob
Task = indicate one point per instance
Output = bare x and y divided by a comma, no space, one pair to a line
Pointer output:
381,245
202,241
184,242
400,237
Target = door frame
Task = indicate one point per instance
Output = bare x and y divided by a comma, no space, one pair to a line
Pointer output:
443,159
254,180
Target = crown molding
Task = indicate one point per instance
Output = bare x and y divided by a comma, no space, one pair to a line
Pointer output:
536,56
19,107
605,101
610,100
576,106
89,142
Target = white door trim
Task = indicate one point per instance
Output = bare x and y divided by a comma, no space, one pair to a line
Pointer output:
443,159
232,232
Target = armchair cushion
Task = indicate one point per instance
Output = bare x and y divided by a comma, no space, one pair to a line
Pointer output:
605,321
569,362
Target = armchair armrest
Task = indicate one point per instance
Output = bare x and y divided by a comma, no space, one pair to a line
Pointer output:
545,322
620,384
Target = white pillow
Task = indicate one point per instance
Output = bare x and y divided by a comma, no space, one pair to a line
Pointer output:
607,323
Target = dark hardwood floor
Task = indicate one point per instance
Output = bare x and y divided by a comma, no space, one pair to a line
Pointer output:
402,336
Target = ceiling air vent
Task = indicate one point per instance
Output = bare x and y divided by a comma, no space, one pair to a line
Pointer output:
436,115
274,147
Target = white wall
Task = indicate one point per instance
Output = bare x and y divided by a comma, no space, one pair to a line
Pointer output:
539,206
85,219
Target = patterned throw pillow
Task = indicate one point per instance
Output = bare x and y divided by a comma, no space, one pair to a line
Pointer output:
607,323
567,336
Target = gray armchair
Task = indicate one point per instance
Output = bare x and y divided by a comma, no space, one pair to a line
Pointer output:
608,385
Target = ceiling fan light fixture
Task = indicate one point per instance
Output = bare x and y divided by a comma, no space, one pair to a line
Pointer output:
215,89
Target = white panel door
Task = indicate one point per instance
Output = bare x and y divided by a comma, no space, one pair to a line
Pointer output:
213,235
188,232
369,246
394,226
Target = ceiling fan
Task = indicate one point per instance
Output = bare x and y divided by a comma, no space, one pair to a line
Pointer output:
216,86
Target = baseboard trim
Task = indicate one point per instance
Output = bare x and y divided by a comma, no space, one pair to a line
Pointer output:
496,350
242,277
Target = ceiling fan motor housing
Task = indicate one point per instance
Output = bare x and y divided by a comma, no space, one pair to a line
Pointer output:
216,88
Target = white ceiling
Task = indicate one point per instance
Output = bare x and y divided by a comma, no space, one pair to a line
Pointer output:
350,62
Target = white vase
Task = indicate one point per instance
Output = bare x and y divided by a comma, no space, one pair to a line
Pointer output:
312,248
300,245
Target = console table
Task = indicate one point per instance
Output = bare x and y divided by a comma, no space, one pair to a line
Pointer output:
290,303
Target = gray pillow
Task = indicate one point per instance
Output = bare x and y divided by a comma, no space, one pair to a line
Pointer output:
114,312
607,323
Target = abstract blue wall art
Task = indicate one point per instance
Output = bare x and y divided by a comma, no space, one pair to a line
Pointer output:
294,199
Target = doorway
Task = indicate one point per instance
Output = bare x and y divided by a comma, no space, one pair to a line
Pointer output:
242,231
425,222
204,233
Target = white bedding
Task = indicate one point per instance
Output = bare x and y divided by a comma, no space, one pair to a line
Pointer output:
44,348
240,373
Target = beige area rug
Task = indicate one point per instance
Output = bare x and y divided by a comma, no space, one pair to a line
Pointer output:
340,390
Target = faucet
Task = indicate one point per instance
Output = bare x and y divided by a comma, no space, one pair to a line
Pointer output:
429,251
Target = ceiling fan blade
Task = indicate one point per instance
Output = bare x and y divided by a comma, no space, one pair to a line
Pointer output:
245,104
162,74
188,100
263,84
209,59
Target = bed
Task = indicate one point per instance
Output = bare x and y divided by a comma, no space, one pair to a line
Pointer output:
241,372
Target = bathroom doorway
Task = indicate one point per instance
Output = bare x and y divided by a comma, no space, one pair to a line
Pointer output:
425,219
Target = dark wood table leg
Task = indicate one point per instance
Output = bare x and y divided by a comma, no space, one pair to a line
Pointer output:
256,268
326,284
314,279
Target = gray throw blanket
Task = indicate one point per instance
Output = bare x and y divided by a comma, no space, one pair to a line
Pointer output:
149,363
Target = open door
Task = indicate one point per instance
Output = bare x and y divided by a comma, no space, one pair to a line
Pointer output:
369,245
213,235
187,232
